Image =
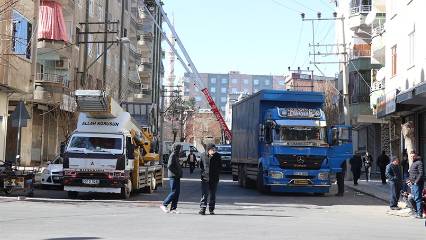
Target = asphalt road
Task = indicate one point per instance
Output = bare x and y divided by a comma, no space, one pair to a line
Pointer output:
241,214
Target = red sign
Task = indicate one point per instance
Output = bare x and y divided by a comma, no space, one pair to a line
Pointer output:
216,112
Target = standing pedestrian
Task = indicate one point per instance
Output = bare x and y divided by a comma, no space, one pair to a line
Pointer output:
191,160
368,162
340,178
382,162
356,164
174,173
417,183
393,173
210,166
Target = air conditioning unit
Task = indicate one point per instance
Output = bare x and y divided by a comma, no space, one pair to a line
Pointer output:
62,64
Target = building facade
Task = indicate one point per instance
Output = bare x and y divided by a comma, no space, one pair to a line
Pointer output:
358,25
402,99
221,85
61,46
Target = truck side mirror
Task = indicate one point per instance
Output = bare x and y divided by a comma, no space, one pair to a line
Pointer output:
261,132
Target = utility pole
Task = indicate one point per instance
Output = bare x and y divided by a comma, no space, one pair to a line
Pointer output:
86,46
104,81
345,76
120,69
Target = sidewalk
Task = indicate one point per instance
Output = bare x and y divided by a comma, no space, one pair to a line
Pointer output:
376,189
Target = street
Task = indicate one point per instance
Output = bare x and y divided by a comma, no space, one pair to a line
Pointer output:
240,214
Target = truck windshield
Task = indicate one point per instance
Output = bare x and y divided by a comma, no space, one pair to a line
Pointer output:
299,134
96,143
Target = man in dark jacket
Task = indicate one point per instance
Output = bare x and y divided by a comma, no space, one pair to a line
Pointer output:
210,166
368,162
382,162
393,173
356,164
192,159
174,173
417,183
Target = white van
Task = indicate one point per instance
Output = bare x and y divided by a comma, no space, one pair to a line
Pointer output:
186,148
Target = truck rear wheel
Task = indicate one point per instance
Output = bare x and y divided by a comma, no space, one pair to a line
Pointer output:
125,191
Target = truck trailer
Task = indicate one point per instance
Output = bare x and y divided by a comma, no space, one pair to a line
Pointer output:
108,152
281,142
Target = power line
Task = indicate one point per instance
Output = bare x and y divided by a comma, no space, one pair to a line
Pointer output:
285,6
298,44
327,4
303,5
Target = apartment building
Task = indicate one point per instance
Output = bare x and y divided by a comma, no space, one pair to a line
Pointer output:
402,98
221,85
367,129
297,80
94,44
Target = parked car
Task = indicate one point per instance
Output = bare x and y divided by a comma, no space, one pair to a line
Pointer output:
225,152
186,148
53,174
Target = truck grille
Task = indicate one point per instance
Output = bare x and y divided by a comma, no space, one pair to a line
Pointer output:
300,162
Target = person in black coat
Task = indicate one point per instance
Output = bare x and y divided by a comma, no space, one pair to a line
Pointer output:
393,173
356,164
192,159
382,162
210,166
368,162
417,183
175,174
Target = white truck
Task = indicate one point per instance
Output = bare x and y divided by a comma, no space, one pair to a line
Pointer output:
108,152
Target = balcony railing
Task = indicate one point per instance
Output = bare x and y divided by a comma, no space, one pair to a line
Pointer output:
360,50
53,78
361,9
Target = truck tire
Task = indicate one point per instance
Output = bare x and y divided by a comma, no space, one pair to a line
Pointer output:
260,184
72,195
242,180
125,191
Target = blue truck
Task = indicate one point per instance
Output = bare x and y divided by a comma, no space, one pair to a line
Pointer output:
281,143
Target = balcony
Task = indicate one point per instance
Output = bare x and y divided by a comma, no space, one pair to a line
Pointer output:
358,17
361,9
53,79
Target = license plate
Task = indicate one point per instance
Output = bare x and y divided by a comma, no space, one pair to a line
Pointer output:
90,181
301,173
224,165
18,183
55,178
301,182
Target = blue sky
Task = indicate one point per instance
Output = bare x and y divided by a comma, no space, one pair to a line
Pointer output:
250,36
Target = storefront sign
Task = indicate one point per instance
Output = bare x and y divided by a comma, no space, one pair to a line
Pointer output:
386,104
299,112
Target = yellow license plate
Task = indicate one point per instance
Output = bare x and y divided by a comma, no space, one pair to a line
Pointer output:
301,182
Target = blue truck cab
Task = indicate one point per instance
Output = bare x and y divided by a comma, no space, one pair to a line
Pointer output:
281,142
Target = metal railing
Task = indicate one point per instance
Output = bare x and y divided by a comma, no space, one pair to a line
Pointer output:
366,53
53,78
361,9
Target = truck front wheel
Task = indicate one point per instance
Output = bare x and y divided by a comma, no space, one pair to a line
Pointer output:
72,195
260,181
125,190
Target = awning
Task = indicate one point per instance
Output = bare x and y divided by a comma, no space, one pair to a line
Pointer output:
51,24
413,96
304,122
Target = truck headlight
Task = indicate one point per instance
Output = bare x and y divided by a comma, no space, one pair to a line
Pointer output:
323,176
276,174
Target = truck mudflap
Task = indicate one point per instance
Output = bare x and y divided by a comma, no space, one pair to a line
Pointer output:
92,189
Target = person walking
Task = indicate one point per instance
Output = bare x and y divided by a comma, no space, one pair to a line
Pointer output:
210,166
382,162
191,160
356,164
393,173
174,173
417,183
368,162
340,178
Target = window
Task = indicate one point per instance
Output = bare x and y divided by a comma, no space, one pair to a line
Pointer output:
246,81
98,49
224,90
234,90
411,48
213,80
281,83
90,45
212,89
197,98
267,82
256,81
125,32
70,27
223,99
394,58
91,10
108,57
224,81
21,35
126,5
100,13
234,81
77,36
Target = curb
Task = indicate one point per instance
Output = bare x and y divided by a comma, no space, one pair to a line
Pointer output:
367,193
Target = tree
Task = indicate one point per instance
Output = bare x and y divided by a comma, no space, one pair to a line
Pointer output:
331,107
408,131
